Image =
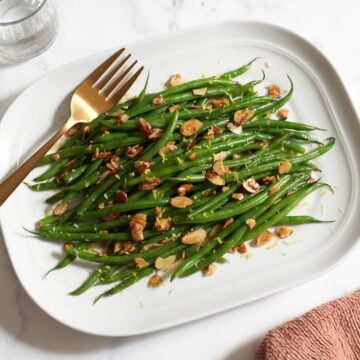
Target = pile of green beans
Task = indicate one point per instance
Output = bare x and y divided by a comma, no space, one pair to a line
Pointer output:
136,181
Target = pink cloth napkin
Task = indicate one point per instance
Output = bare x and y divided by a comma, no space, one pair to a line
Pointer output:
330,331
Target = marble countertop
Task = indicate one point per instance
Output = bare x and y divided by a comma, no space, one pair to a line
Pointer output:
26,332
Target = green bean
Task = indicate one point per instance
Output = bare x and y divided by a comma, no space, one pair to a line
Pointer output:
300,219
54,170
89,282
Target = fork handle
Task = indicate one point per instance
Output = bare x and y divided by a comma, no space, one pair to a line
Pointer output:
13,181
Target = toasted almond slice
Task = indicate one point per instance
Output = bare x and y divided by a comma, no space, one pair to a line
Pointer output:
55,157
283,232
190,127
217,103
173,108
145,127
209,270
237,196
165,264
268,180
184,188
193,156
283,113
180,202
169,147
155,281
274,190
159,100
150,184
133,151
220,168
235,129
197,236
251,223
214,178
139,261
117,246
162,224
228,222
241,116
242,249
215,230
284,167
60,208
220,156
200,91
264,238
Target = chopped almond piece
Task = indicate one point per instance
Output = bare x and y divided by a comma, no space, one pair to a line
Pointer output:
169,147
235,129
123,118
251,186
173,108
214,178
145,127
241,116
137,225
133,151
74,129
155,134
283,113
228,222
200,91
209,270
224,188
283,232
139,261
242,249
162,224
127,246
210,134
264,238
274,91
222,155
190,127
159,100
174,80
274,190
184,188
142,166
155,281
60,208
236,156
267,180
250,223
165,264
193,156
197,236
284,167
237,196
117,247
217,103
150,184
180,202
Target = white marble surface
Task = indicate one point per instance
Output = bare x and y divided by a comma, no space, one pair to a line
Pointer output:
26,332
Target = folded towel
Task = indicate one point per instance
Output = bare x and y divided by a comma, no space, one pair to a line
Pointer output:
330,331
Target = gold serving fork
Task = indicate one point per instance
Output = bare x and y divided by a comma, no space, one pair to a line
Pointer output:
100,91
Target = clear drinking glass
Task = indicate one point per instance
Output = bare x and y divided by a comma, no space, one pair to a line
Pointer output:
27,28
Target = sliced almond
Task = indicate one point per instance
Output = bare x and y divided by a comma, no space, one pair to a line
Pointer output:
217,103
214,178
140,262
251,186
274,190
215,230
173,108
242,249
162,224
145,127
267,180
133,151
165,264
264,238
284,167
250,223
180,202
283,232
55,157
137,225
235,129
228,222
142,166
183,189
117,247
169,147
237,196
150,184
155,134
159,100
236,156
127,247
209,270
224,188
220,156
200,91
190,127
155,281
193,156
197,236
60,208
241,116
220,168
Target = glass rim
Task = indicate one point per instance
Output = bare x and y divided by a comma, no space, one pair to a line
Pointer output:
14,22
